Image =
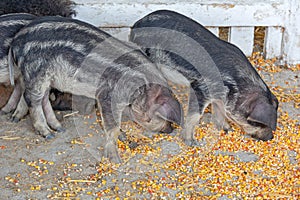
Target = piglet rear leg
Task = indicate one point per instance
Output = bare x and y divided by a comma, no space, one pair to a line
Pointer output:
34,102
50,115
13,100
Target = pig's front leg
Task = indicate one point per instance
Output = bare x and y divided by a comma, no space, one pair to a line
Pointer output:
34,101
195,112
111,120
21,110
193,116
219,115
196,105
110,149
192,120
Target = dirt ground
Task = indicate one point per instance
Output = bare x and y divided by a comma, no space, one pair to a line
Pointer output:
160,167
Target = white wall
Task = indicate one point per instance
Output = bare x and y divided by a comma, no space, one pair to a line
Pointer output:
282,16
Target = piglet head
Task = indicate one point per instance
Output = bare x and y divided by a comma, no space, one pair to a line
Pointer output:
260,118
155,108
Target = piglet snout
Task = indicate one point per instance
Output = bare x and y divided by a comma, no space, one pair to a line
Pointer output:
267,137
264,136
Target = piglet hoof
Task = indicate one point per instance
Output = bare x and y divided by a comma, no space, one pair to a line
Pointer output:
122,137
187,138
60,130
15,119
133,145
190,142
227,128
50,136
112,154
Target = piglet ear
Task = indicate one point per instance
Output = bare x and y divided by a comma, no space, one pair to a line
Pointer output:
265,114
169,109
162,103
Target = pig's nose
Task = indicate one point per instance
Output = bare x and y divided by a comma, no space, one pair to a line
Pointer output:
269,136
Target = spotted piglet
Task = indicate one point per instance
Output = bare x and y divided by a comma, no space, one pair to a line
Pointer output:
75,57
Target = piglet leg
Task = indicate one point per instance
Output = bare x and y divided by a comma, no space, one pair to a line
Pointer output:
111,120
188,131
34,101
110,149
192,119
13,100
50,115
219,116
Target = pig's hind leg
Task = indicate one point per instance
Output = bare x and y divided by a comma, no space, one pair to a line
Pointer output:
13,100
50,115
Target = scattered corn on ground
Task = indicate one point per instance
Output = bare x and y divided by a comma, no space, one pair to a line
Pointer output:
222,166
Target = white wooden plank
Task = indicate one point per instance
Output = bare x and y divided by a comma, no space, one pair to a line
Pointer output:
214,30
291,38
273,42
244,2
120,33
243,37
126,13
217,13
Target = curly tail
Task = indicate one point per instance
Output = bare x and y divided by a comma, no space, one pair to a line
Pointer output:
63,8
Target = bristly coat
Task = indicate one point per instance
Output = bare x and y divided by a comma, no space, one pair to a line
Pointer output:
14,16
218,72
76,57
64,8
